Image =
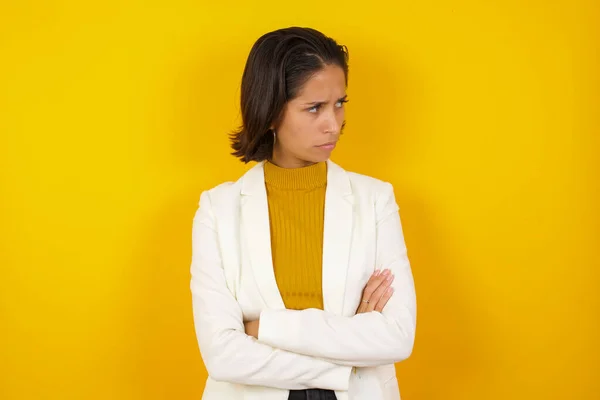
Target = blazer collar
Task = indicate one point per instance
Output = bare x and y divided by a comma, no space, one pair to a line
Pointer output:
253,181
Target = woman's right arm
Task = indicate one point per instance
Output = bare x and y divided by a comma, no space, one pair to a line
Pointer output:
228,353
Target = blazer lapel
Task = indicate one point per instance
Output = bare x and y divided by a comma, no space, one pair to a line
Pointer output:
337,237
256,233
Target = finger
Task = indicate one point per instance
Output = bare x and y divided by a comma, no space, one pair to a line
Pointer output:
362,307
380,291
387,295
373,277
373,283
364,301
369,296
374,290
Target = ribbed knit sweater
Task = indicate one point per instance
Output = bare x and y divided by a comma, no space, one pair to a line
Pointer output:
296,198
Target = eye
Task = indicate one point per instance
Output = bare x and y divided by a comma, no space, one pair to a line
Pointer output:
340,103
314,108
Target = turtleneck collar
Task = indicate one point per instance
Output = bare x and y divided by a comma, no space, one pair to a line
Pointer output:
311,177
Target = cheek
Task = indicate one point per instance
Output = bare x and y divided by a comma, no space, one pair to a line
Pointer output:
341,115
302,128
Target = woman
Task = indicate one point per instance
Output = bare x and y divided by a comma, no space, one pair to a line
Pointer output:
301,285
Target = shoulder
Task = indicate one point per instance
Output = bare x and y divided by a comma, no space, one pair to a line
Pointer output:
227,194
222,197
221,191
371,191
380,193
366,184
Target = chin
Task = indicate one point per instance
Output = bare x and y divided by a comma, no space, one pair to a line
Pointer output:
318,159
312,157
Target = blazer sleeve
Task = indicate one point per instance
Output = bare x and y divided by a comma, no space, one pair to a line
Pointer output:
228,353
367,339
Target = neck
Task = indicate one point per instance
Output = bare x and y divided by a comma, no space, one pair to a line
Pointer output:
309,177
288,162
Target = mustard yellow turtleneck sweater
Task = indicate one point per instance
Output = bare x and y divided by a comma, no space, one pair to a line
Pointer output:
296,198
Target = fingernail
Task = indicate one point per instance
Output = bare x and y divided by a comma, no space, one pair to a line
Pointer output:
377,271
389,278
386,272
390,290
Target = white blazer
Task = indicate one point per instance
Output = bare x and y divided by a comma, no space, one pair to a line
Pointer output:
232,281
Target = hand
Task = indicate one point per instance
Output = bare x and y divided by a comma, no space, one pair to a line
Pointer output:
251,328
377,292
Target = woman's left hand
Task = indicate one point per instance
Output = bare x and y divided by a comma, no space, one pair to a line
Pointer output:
377,292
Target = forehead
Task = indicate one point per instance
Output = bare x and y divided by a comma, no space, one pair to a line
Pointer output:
329,82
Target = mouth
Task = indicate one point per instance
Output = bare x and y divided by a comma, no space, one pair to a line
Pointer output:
327,146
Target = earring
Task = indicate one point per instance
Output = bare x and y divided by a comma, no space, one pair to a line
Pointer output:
274,136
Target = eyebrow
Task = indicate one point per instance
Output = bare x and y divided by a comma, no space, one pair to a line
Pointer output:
314,103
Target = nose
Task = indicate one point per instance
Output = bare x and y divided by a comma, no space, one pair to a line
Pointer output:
331,124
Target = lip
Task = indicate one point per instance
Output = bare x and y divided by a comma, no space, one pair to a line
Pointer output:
327,146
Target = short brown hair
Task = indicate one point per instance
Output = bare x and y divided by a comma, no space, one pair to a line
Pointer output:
279,64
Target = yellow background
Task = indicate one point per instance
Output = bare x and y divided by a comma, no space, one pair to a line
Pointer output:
483,114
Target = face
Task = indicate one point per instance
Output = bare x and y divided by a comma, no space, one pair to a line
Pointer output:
312,121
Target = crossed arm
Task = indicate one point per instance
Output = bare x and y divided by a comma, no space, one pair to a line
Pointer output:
301,349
